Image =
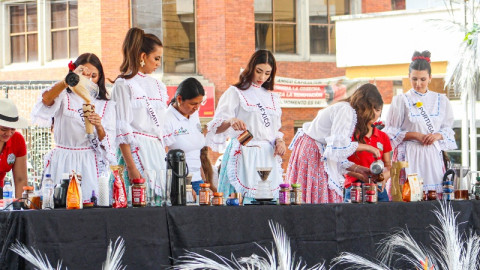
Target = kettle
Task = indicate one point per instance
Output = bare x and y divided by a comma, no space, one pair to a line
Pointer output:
377,167
176,162
461,182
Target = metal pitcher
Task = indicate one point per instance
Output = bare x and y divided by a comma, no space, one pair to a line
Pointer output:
461,182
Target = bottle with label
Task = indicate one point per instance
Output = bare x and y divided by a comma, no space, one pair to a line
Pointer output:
204,194
189,195
356,195
47,191
284,194
8,195
297,194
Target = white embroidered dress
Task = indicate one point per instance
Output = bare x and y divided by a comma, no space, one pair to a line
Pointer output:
332,130
404,116
72,149
260,110
141,106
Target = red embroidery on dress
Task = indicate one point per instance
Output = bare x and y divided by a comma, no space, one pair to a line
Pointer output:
254,105
237,152
124,134
74,149
96,165
104,108
146,135
68,102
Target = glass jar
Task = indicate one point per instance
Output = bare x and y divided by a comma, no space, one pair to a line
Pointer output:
217,198
356,195
297,194
28,191
284,194
139,193
370,192
204,194
189,195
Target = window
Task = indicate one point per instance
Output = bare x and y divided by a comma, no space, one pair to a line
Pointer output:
322,29
174,25
64,29
276,25
23,33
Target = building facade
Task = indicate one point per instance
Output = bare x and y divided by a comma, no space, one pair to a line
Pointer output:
209,39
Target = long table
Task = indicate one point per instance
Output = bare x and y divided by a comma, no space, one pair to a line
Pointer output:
155,237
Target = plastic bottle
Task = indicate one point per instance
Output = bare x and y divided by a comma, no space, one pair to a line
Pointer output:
8,195
48,188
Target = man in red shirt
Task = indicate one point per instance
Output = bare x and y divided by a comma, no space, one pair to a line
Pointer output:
380,140
13,151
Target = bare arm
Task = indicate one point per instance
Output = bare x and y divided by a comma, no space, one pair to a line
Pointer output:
20,175
48,97
133,172
235,123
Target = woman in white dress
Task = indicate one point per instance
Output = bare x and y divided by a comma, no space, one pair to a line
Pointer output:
249,104
59,106
141,105
419,124
319,158
182,126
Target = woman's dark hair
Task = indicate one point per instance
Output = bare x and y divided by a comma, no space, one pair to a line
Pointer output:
420,61
259,57
95,61
364,100
206,165
188,89
135,43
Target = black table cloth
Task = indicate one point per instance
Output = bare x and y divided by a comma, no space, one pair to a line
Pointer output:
154,237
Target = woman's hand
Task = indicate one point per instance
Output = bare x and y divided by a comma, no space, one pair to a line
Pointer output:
374,151
359,172
429,139
133,173
95,119
82,70
237,124
280,147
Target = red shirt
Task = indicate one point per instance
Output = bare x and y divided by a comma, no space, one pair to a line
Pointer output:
379,140
13,148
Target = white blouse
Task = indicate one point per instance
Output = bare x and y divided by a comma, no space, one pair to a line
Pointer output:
185,134
404,116
139,100
332,130
69,126
264,123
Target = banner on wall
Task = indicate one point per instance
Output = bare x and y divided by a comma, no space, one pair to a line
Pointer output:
317,93
206,110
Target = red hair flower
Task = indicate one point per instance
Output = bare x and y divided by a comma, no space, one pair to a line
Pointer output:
71,66
422,58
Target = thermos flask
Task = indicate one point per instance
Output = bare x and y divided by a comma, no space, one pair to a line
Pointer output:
177,163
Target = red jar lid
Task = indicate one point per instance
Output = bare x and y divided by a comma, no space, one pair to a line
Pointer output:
205,185
138,181
357,184
218,194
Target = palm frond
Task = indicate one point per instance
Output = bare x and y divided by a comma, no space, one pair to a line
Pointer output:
357,262
279,257
114,255
401,244
34,257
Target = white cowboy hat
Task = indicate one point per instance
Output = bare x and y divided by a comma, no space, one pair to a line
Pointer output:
9,115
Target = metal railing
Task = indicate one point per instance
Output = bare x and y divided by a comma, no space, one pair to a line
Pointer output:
39,140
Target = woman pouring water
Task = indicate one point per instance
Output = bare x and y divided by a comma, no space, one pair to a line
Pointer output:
249,105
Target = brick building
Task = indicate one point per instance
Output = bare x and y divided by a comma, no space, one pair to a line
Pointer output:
209,39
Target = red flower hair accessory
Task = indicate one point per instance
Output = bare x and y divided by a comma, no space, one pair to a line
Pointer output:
71,66
422,58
